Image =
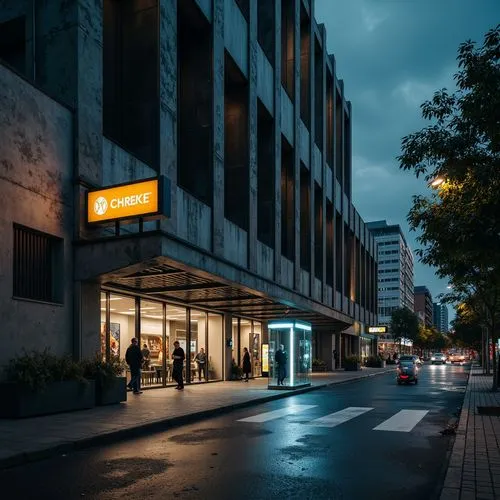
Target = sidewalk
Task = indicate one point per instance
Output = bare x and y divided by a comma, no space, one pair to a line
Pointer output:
474,468
33,439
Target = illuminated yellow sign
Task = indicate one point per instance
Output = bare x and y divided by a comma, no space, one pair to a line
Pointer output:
377,329
132,200
265,358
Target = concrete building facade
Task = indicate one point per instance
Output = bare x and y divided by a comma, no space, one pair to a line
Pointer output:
238,105
423,305
395,272
440,317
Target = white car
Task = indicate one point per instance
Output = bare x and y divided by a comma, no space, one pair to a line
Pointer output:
438,357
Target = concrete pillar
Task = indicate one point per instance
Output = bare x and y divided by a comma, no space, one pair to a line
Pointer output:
168,103
277,143
296,145
228,329
218,128
86,319
312,143
69,66
252,136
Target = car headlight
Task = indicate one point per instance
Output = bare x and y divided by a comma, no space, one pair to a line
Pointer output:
433,358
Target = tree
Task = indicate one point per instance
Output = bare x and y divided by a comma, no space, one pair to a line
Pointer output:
403,325
467,328
460,222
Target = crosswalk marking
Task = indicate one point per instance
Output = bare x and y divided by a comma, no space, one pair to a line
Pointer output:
403,421
271,415
339,417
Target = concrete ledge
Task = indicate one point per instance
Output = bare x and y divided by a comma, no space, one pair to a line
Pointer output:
162,424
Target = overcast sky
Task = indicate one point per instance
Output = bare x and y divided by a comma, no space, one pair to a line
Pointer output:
392,55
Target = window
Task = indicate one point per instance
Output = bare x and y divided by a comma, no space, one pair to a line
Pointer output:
37,258
13,43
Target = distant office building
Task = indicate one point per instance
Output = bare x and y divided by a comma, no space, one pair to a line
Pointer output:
440,316
423,304
395,271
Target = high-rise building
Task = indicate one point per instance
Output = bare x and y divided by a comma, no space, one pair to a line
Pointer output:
440,317
395,271
423,305
234,114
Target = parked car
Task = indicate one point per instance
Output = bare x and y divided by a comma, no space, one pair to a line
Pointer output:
457,358
407,370
438,358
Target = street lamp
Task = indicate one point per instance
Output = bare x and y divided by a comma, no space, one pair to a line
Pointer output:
436,182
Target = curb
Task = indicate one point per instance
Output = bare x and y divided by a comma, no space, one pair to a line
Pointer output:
452,478
162,424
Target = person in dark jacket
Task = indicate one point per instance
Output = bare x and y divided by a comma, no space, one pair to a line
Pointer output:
281,358
178,356
247,365
134,359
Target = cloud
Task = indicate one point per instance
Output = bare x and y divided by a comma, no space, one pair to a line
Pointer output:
393,55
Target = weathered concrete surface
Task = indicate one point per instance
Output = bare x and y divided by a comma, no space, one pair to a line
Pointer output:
36,164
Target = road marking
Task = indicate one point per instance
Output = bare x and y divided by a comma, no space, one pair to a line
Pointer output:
271,415
403,421
339,417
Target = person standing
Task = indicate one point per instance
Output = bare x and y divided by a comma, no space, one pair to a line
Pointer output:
146,355
247,365
281,359
201,360
178,356
134,358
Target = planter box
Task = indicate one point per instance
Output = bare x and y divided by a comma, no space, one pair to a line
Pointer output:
319,368
110,391
352,368
19,401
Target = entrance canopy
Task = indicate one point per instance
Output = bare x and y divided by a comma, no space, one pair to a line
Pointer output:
198,289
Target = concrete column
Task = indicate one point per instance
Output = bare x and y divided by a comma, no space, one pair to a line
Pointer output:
168,103
277,142
86,319
69,66
323,161
218,128
312,143
252,137
296,145
228,329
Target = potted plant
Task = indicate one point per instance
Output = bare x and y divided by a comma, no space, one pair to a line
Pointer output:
236,371
110,384
318,365
40,383
352,363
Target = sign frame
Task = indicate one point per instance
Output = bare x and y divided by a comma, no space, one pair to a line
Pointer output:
163,208
377,330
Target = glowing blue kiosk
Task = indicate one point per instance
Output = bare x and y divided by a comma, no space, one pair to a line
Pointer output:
289,354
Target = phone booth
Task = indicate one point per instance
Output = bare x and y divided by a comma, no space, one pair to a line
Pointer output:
289,357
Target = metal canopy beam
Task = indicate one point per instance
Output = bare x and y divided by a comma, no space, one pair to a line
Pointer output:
186,288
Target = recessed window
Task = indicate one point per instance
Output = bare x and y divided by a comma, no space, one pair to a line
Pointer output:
37,265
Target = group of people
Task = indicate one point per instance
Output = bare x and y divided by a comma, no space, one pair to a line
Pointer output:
137,359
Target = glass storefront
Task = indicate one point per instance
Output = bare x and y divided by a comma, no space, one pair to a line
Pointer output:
151,342
157,325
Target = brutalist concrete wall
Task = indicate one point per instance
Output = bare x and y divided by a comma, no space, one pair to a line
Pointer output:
36,162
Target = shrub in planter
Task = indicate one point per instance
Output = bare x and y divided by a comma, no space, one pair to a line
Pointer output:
375,362
236,371
110,385
351,363
318,365
40,383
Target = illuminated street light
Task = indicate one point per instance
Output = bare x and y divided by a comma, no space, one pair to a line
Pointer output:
437,182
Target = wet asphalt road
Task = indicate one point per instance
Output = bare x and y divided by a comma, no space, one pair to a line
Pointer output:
286,457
